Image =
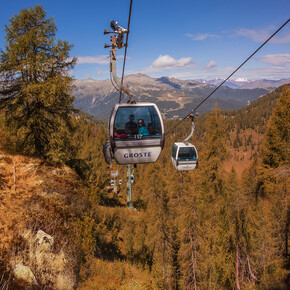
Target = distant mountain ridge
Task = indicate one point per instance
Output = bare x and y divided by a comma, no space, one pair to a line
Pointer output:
174,97
243,83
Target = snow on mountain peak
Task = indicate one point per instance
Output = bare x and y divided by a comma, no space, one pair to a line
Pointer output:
241,80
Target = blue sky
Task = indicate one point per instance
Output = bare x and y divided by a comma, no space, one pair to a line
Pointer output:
185,39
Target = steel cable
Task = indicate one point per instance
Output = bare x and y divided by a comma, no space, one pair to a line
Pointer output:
228,77
125,54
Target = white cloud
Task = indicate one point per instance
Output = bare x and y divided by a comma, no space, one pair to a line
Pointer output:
268,73
186,68
255,35
276,59
202,36
204,73
98,59
260,35
188,75
281,39
101,72
168,62
273,73
211,64
86,76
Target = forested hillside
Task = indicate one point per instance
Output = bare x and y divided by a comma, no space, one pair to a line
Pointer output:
209,228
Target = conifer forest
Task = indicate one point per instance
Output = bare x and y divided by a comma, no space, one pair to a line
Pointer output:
223,225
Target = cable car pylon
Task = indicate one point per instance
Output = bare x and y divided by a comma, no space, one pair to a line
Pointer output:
129,188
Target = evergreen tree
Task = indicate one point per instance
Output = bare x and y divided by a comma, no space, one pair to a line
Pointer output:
162,237
34,72
274,182
276,150
215,152
189,232
267,183
202,243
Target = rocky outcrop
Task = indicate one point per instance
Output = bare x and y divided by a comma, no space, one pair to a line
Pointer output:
37,199
24,275
44,242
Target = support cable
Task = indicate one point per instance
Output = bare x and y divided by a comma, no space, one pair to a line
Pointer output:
227,77
125,54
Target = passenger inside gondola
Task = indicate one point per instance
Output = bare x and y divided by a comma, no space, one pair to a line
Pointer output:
119,135
131,126
150,129
129,129
142,128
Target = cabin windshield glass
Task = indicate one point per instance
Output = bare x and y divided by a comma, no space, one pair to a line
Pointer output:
137,123
173,151
187,154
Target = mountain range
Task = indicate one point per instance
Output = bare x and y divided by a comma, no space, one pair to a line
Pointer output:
243,83
175,98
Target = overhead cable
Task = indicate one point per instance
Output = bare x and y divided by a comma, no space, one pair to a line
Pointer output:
228,77
125,54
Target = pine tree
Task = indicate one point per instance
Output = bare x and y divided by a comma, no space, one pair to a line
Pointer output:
215,151
189,231
201,241
275,169
35,81
271,215
276,150
162,237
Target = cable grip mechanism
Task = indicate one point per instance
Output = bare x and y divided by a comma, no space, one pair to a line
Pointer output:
191,115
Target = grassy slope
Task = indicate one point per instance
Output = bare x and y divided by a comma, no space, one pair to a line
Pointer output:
246,122
35,195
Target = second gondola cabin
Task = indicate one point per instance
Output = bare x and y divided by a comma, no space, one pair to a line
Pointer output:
136,133
184,156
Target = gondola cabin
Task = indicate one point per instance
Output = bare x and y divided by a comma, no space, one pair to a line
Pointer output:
184,156
136,133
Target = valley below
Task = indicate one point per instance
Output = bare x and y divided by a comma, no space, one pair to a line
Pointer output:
173,97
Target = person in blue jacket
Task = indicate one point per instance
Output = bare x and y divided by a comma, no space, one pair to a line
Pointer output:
142,128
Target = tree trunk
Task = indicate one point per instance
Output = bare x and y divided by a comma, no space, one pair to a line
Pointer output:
237,267
193,263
